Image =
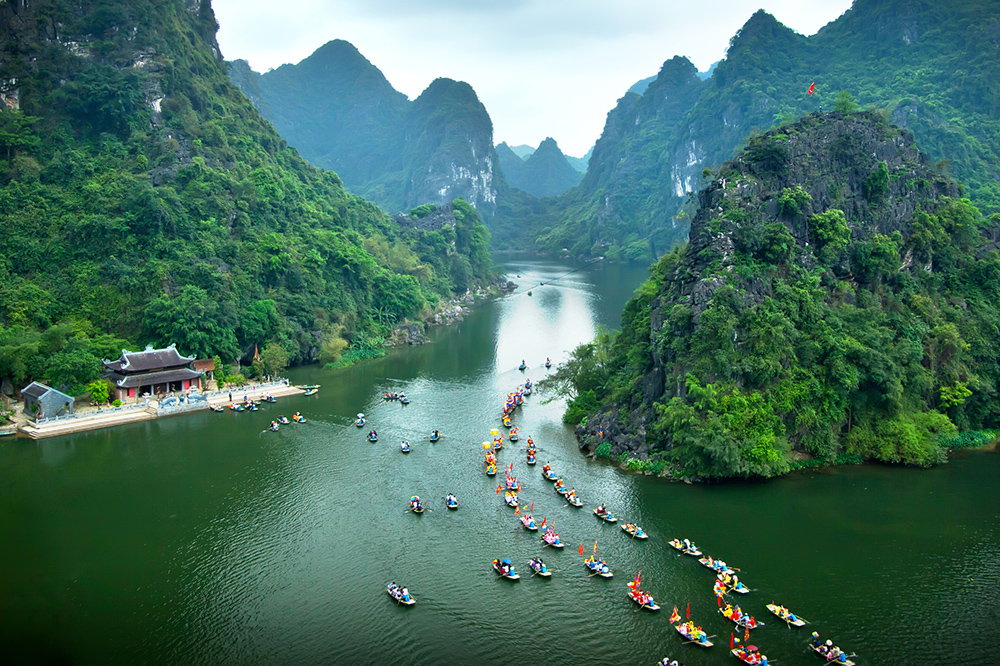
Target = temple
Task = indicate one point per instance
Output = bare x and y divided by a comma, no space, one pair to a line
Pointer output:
152,372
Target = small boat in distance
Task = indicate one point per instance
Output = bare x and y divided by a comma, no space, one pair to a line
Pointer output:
400,594
505,568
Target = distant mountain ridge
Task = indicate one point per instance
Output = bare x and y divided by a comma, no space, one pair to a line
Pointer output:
341,113
545,173
933,68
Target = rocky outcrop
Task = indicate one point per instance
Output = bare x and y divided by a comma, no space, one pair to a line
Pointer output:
545,173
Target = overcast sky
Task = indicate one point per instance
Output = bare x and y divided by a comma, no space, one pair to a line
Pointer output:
541,67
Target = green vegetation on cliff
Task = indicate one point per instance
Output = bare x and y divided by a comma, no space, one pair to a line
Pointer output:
838,296
144,199
934,67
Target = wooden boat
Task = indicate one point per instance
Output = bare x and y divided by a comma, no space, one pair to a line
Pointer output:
522,366
510,499
404,400
549,475
635,531
742,621
529,522
654,607
399,599
706,644
797,622
312,391
561,490
599,568
552,541
435,436
574,501
405,447
512,575
679,545
491,470
299,419
744,656
531,460
372,437
836,661
214,408
417,509
451,502
606,516
539,569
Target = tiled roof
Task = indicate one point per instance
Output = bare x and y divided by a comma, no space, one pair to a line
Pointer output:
150,378
149,359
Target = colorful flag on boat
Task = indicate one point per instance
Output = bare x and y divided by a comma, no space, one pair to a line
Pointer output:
595,548
581,549
638,578
812,88
689,611
517,511
732,639
746,634
543,519
675,616
499,488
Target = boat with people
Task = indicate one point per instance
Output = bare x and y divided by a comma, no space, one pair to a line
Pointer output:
636,594
274,426
605,515
551,539
573,499
268,398
214,408
283,420
548,362
435,435
513,434
507,422
736,615
715,565
451,501
547,473
634,531
312,391
560,487
786,615
529,522
598,567
416,506
749,654
491,469
827,650
298,418
405,446
373,436
505,568
360,420
511,499
687,547
691,633
733,583
522,366
531,457
538,567
236,408
400,594
403,400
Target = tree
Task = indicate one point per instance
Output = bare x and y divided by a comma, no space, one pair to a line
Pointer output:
71,370
193,321
274,357
99,391
844,102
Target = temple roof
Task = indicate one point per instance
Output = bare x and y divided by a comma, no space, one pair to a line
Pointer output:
150,378
149,359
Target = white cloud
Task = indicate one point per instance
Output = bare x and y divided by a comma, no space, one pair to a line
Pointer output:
541,67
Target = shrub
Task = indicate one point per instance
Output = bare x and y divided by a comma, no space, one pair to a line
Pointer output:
116,403
603,450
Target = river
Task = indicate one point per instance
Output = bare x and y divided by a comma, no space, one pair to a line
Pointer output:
203,539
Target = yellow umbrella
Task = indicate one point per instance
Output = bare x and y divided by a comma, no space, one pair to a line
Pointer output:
486,445
494,432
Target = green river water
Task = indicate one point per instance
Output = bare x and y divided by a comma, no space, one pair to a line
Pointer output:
201,539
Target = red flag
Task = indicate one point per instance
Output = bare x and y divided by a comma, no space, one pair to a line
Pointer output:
719,598
532,506
595,548
581,549
499,488
638,578
812,88
746,634
731,639
256,355
689,611
543,519
517,511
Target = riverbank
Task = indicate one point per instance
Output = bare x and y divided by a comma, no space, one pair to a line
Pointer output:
152,409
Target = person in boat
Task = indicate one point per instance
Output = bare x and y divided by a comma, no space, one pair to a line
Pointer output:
816,641
571,495
373,434
274,425
405,594
602,510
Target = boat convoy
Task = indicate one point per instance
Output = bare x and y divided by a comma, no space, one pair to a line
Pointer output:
727,578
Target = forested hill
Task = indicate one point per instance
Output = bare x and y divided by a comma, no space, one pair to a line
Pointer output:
933,67
838,298
143,199
545,173
341,113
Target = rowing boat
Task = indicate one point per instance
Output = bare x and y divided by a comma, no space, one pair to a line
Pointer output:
648,607
835,660
574,501
529,522
549,475
510,499
417,509
539,569
705,644
744,655
399,599
451,501
798,621
405,447
312,391
599,568
693,550
511,575
635,531
742,620
606,516
552,541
